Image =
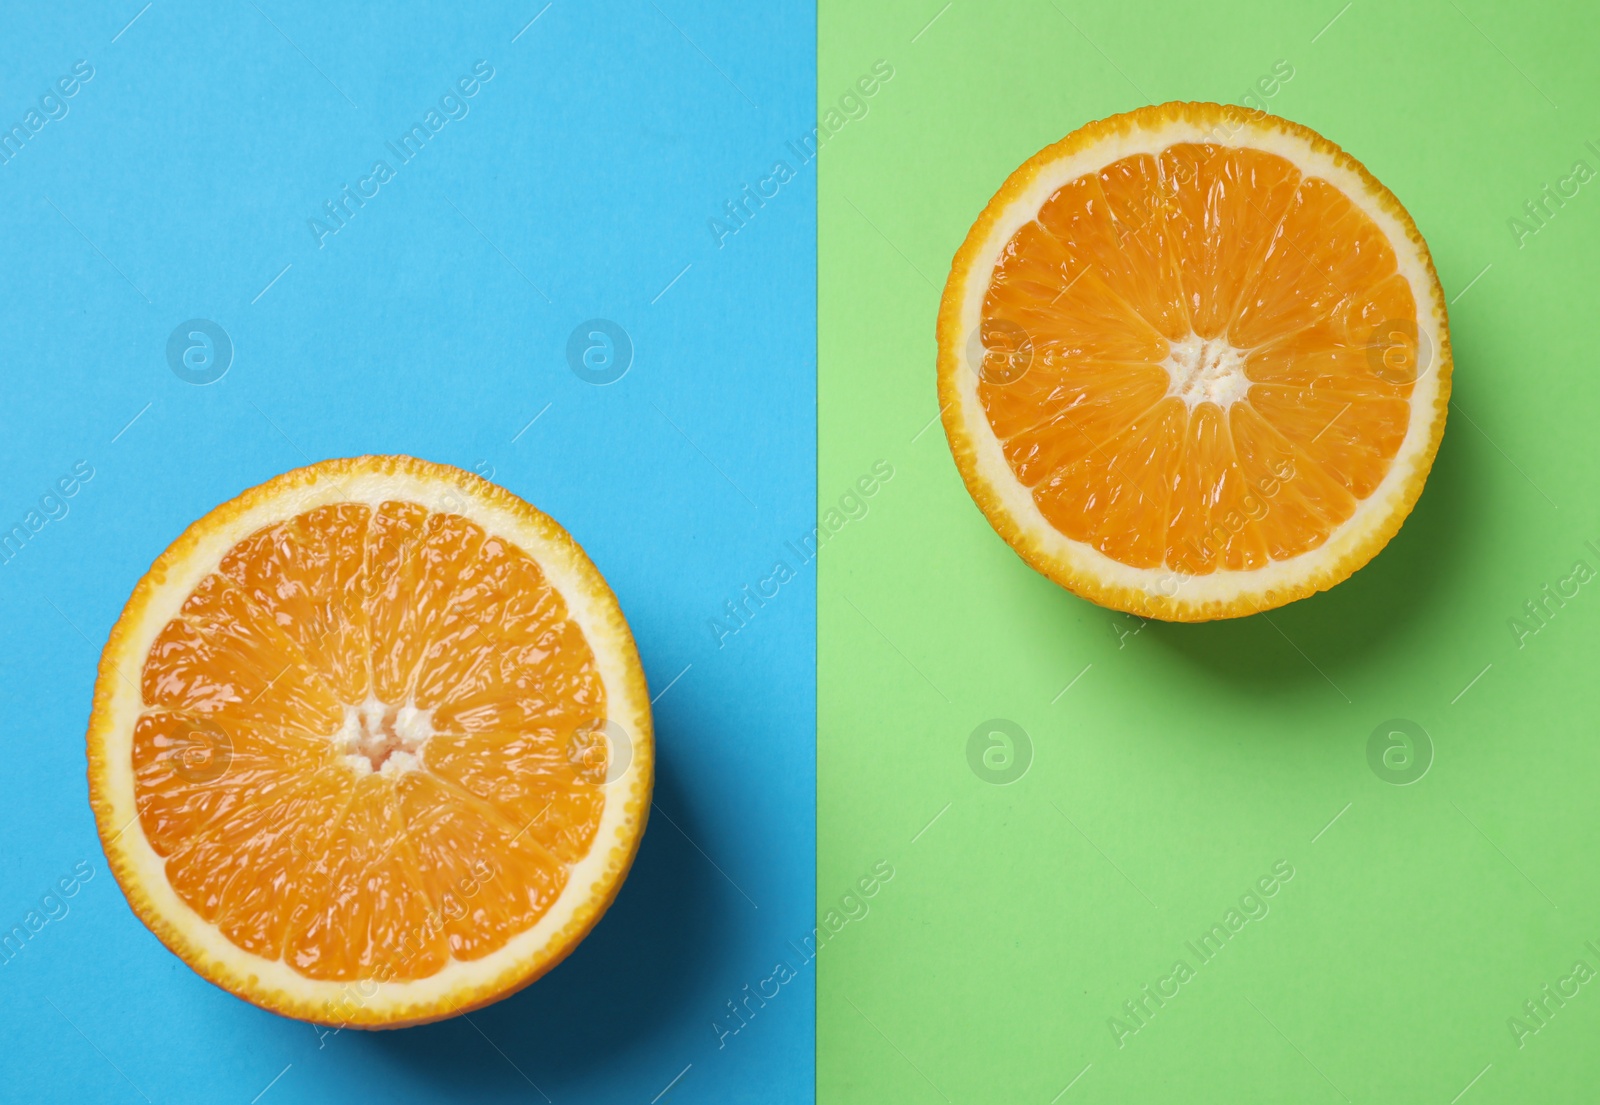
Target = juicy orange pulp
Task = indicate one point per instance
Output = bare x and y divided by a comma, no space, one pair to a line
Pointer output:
357,748
1200,359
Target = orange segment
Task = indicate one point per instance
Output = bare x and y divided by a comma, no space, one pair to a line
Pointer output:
1055,418
1213,506
1225,206
360,754
545,793
1114,497
1150,276
191,773
1349,436
1193,362
1050,289
491,878
1308,503
271,848
1324,253
528,682
236,673
308,576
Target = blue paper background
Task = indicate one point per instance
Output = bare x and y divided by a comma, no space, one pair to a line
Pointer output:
579,185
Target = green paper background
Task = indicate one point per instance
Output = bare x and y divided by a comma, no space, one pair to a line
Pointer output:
1185,761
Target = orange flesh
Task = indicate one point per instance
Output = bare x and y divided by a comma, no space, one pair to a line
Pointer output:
1236,248
359,862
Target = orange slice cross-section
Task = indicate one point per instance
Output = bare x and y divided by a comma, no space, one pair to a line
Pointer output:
1194,362
371,744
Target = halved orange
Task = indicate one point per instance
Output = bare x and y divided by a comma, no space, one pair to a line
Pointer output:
371,744
1194,362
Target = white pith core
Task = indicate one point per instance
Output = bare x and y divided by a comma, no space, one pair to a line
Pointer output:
1206,370
375,737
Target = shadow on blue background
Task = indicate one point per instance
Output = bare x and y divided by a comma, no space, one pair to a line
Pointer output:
190,178
634,978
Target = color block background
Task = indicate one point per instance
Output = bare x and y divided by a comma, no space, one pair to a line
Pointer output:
579,184
1173,766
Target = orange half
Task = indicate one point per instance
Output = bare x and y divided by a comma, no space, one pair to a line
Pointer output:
371,744
1194,362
